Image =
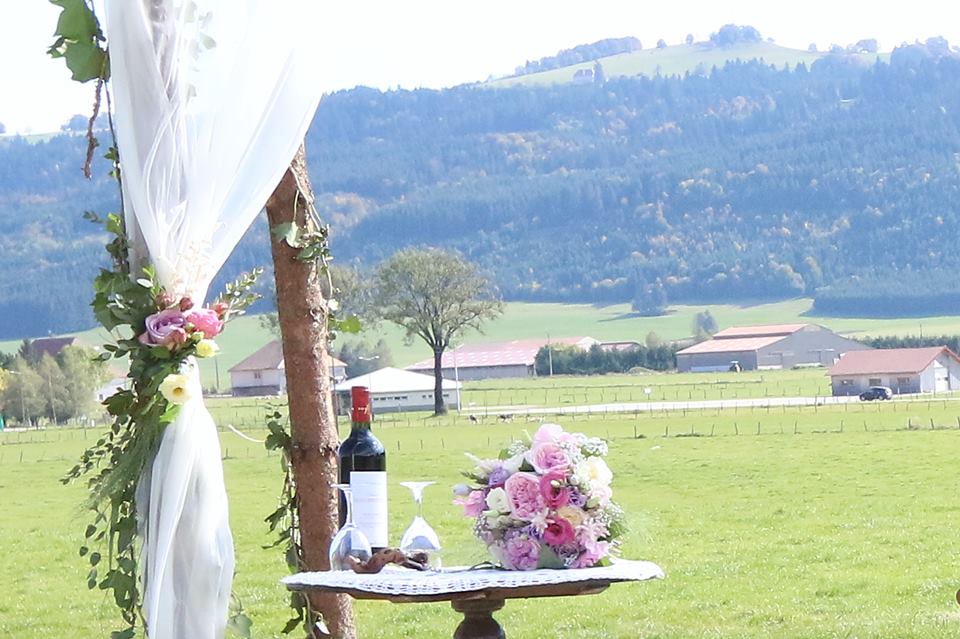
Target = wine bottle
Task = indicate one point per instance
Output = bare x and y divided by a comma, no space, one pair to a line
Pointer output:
363,465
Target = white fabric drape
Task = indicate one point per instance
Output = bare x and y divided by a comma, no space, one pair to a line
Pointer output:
212,99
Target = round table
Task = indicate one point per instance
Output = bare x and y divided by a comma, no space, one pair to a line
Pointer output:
475,593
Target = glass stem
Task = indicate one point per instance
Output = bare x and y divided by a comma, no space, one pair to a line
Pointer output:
348,495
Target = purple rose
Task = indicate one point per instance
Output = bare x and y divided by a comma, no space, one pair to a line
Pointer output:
206,321
521,553
165,328
498,476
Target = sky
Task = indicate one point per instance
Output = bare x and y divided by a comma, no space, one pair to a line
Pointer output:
437,43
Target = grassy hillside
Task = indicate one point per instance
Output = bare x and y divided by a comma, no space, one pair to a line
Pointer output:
674,60
607,323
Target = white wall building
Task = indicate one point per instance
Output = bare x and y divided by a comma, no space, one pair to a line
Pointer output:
935,369
263,373
393,390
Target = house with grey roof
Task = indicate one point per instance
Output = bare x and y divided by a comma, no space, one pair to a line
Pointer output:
765,347
935,369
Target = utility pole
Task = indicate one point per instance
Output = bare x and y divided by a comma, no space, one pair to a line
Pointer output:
550,354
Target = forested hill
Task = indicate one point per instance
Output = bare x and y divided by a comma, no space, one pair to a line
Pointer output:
837,178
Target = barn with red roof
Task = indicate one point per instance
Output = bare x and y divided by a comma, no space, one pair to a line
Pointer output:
496,359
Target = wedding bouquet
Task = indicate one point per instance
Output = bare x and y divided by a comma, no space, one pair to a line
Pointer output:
545,503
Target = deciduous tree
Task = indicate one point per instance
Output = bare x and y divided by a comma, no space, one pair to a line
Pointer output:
434,295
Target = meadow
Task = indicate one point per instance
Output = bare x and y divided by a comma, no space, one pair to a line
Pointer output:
785,522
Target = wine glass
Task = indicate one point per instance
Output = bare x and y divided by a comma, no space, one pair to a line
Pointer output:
349,540
420,537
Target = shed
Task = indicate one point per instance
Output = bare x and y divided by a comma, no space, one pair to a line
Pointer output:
933,369
263,372
398,390
768,346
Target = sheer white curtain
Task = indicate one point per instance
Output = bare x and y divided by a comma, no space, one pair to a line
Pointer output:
212,99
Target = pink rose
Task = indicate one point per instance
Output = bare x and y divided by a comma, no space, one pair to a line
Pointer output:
602,494
165,328
593,552
473,504
206,321
548,433
523,491
521,553
547,456
559,531
553,490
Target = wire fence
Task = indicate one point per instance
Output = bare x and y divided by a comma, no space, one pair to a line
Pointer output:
458,433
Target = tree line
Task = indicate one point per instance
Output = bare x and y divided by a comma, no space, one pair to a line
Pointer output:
36,385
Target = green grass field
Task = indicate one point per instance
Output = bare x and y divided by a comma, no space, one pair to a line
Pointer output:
526,321
675,60
832,522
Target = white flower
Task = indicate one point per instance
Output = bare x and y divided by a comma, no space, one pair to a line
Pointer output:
207,348
484,466
498,501
593,471
333,305
513,464
175,388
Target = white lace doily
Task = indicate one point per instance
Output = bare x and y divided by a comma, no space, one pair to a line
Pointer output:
403,582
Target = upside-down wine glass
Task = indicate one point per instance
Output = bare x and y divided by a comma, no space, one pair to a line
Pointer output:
349,540
420,537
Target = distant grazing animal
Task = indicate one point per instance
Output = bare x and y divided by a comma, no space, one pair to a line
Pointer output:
474,420
505,417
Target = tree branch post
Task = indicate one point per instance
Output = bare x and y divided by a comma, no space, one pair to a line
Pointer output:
302,312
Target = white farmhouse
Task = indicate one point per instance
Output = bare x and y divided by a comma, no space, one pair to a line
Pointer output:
393,390
933,369
263,372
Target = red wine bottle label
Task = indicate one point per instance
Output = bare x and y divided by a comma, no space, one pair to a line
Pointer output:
369,490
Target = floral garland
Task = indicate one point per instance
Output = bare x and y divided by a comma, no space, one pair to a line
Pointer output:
160,335
546,503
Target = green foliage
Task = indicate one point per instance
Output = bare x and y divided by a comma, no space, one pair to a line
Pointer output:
361,357
434,295
80,42
285,523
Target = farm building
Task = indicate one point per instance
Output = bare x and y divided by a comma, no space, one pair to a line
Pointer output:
933,369
51,346
263,373
767,347
397,390
496,359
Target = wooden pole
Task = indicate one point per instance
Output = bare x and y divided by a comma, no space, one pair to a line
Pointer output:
303,327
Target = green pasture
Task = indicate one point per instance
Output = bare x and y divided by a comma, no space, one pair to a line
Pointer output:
675,60
527,321
831,522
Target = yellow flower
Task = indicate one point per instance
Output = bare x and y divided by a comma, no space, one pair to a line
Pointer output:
175,388
207,348
572,514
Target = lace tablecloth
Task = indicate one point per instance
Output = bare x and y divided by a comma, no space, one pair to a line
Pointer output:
411,583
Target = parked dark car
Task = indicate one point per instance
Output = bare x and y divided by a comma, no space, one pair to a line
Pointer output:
876,392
